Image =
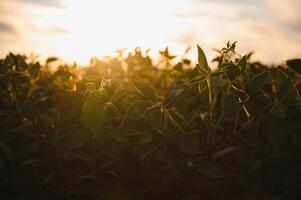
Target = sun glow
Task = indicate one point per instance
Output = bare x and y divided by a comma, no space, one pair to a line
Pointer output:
99,27
77,30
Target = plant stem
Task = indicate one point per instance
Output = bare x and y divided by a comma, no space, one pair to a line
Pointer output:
210,101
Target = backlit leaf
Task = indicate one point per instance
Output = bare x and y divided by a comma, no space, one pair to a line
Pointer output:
93,115
203,64
146,91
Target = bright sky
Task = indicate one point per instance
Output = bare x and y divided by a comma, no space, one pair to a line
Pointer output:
79,29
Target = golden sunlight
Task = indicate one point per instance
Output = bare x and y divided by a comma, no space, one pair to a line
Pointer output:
97,28
150,99
77,30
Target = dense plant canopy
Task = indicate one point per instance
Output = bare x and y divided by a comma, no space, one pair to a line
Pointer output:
129,128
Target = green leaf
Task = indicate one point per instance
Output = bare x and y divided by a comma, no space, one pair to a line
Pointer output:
232,71
230,106
196,80
282,104
283,81
77,140
142,105
51,59
75,153
117,95
294,64
93,115
146,91
257,82
46,179
174,123
225,151
203,64
10,72
216,74
276,132
212,171
102,92
28,162
126,104
3,67
242,64
34,70
188,143
139,137
178,67
6,151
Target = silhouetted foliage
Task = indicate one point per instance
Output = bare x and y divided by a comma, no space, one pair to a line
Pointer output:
131,128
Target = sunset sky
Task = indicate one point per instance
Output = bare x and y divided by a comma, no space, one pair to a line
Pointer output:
77,29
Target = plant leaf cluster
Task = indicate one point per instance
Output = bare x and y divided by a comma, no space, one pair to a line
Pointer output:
127,127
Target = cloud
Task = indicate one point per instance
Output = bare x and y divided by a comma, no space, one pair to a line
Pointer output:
245,2
6,28
24,27
271,27
54,3
286,13
49,30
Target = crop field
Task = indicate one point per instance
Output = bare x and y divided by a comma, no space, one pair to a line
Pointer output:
131,127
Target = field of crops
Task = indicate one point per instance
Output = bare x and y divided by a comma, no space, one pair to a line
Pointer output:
130,128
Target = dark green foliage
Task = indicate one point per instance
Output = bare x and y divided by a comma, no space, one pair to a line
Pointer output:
124,128
257,82
294,64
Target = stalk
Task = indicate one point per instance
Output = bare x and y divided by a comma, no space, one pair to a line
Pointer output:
210,101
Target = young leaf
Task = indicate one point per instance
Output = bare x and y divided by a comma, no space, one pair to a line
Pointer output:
203,64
